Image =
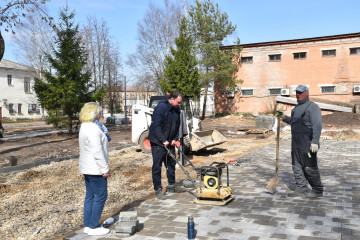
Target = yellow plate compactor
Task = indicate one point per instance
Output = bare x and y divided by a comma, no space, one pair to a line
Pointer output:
209,186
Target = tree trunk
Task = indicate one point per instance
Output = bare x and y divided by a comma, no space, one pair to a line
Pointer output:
204,103
70,126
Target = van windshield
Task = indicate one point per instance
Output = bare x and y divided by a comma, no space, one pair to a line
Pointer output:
185,106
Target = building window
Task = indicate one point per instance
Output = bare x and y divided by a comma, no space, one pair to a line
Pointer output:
34,108
329,53
354,51
246,59
275,91
275,58
247,92
328,89
9,77
19,108
300,55
27,84
11,108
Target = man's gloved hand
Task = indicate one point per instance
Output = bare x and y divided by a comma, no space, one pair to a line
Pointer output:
279,113
314,147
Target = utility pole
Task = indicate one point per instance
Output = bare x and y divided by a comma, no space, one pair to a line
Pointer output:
125,108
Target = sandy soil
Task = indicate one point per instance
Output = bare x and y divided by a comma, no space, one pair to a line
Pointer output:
46,202
55,145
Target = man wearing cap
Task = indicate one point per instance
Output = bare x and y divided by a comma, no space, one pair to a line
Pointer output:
306,124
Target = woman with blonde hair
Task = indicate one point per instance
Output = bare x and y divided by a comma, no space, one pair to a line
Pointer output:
94,165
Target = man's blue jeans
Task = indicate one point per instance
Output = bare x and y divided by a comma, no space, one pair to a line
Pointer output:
96,195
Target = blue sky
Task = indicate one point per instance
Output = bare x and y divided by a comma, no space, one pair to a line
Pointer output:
256,20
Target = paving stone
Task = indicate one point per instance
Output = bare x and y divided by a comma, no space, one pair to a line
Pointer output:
278,236
346,231
254,238
166,235
299,226
311,238
126,227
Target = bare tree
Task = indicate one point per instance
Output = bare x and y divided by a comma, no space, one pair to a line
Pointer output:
12,11
34,40
97,40
113,76
104,60
156,34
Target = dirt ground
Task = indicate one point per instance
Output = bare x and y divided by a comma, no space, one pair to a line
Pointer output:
46,202
55,145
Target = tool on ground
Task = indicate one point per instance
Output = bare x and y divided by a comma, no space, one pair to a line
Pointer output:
209,187
271,187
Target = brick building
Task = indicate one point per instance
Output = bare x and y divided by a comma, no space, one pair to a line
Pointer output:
329,66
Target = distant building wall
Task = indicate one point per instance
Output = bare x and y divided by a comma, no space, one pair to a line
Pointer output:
329,66
135,95
17,96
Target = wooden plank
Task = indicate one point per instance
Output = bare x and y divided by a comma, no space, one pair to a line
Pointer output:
323,106
257,131
243,129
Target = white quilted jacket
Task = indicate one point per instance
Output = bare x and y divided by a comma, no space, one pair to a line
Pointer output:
93,144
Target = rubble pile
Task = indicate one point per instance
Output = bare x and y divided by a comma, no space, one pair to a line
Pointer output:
341,119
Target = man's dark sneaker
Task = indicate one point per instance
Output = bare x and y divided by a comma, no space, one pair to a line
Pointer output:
313,194
160,194
175,189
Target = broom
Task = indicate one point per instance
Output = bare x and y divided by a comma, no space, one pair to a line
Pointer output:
271,187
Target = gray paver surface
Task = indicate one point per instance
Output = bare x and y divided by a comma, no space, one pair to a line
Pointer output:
254,214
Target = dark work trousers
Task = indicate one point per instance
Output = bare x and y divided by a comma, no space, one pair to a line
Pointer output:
160,155
304,162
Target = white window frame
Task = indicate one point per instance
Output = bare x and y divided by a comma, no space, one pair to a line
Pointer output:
326,50
10,80
12,108
275,88
247,89
19,106
27,85
276,60
246,57
323,86
33,108
299,58
357,51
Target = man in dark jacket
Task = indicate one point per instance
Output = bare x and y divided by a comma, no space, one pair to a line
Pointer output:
163,133
306,124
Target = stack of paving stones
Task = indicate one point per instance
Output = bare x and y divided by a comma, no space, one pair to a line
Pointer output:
127,224
256,215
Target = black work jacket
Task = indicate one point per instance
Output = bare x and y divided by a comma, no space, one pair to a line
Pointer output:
161,123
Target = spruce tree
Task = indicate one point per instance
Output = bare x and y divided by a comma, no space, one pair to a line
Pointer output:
210,27
180,69
63,92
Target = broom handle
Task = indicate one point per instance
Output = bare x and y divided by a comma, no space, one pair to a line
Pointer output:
277,144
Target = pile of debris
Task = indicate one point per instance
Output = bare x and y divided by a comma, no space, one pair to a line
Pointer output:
347,119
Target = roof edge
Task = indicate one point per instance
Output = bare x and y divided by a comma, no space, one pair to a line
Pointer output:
18,66
295,41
